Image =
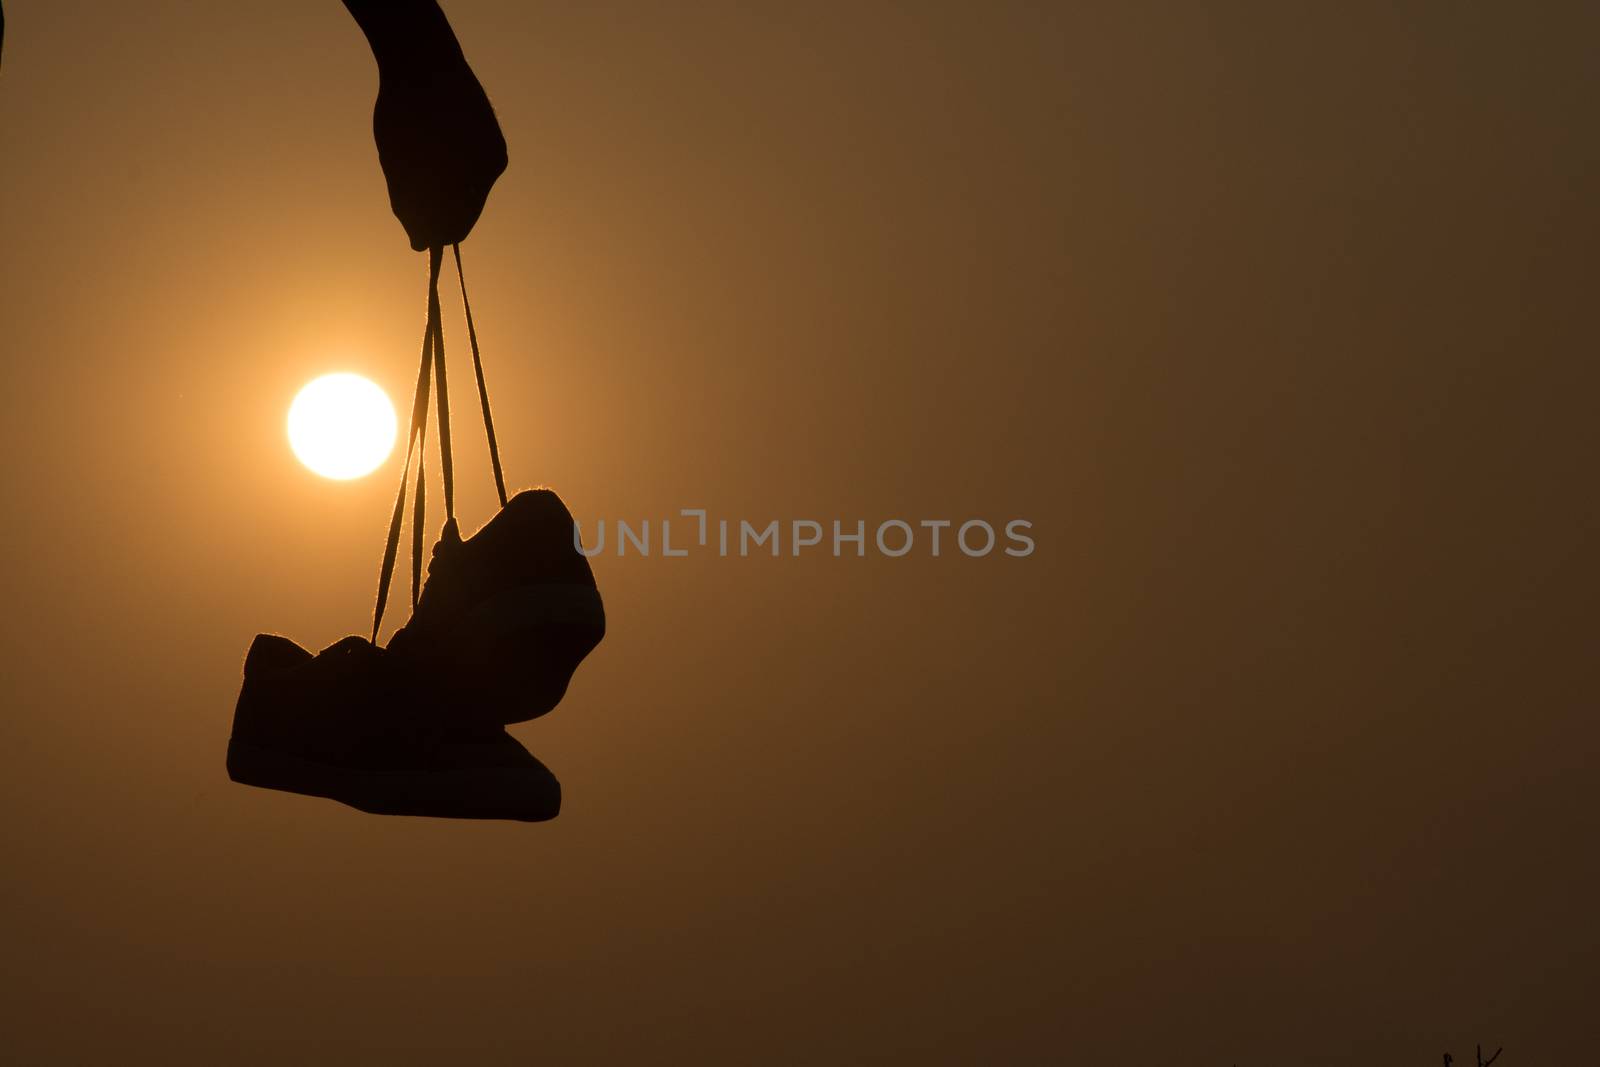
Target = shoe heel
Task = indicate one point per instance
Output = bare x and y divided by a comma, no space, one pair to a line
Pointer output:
265,769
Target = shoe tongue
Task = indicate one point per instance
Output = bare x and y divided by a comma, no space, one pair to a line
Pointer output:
353,643
448,547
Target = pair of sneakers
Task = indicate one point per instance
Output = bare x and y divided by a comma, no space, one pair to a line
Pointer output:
418,727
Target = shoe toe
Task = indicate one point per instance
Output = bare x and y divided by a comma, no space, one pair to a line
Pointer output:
499,778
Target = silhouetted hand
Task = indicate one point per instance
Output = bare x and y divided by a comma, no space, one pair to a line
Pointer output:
439,144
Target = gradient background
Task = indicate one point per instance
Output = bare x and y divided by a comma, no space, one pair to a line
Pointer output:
1276,320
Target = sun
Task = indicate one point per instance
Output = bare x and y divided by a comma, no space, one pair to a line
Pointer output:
341,426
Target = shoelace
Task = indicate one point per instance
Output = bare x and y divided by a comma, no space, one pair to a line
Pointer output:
433,365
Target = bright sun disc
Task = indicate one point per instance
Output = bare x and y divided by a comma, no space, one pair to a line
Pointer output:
341,426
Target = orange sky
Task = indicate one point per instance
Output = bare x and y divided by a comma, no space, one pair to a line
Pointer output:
1277,325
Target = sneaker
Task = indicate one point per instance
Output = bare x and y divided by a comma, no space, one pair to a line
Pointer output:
507,615
355,724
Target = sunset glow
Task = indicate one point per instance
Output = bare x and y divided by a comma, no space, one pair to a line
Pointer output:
342,426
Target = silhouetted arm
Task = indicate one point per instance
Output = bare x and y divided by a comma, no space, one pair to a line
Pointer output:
406,35
439,144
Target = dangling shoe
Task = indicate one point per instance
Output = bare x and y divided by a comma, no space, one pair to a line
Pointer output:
507,615
354,724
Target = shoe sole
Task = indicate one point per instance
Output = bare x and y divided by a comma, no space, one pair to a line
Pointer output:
459,793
